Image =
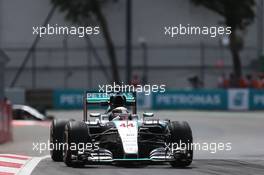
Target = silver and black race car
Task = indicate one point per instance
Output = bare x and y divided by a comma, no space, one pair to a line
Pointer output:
120,136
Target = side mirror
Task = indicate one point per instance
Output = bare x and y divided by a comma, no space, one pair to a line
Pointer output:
148,114
95,114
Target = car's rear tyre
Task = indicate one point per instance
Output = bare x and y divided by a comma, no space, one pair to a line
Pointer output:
181,133
76,132
56,139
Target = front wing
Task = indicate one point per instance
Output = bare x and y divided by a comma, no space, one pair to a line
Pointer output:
105,156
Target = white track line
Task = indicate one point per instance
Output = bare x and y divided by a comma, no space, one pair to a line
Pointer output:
30,165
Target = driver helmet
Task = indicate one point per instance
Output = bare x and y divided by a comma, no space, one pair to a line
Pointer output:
120,110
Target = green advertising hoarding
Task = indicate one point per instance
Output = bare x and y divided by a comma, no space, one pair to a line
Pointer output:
68,99
190,99
204,99
256,99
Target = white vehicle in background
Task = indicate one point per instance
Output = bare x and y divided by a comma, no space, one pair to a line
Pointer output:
24,112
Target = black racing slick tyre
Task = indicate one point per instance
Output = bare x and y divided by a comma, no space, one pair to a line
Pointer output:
181,134
76,133
56,139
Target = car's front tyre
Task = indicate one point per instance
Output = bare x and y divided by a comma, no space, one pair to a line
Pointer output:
56,139
181,133
76,133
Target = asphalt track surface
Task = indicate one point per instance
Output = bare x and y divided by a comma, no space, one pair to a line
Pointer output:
244,130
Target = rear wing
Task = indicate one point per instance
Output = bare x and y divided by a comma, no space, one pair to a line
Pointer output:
103,99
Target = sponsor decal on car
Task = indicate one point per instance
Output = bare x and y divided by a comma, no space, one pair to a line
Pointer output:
128,131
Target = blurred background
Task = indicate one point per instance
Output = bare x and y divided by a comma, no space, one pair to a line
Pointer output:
131,46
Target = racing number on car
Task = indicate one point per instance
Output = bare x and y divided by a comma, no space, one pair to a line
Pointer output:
126,125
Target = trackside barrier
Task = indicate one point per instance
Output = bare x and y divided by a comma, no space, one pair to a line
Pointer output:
5,122
198,99
191,99
68,99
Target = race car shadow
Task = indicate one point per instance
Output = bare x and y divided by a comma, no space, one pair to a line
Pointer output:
134,166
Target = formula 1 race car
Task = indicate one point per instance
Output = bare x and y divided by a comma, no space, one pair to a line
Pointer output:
118,136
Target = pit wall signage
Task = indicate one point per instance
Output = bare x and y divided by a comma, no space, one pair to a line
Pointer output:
210,99
204,99
191,99
256,99
68,99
